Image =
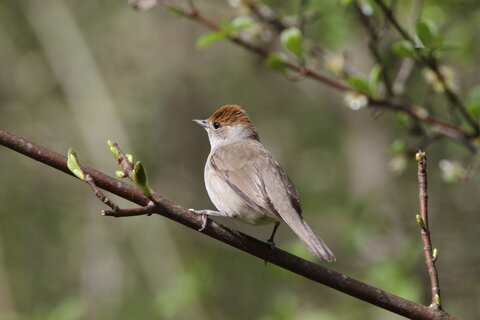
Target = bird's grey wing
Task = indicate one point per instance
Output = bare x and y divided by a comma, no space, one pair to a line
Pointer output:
284,198
288,184
237,165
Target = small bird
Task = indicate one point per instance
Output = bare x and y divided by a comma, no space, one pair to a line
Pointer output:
244,181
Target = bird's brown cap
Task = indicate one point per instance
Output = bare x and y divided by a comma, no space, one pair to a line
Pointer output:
231,114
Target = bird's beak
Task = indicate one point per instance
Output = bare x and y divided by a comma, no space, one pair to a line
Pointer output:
202,123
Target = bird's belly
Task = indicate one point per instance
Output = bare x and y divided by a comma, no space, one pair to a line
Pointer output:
227,201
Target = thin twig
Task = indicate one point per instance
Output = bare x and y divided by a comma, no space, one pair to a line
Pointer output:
127,166
425,230
404,71
123,161
99,194
373,43
241,241
148,210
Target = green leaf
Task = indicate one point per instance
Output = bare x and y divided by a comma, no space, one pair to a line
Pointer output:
227,29
210,38
428,34
373,80
291,39
358,83
73,165
397,147
473,101
402,118
176,12
276,61
240,23
403,48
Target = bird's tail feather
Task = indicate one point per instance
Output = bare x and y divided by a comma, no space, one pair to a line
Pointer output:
310,238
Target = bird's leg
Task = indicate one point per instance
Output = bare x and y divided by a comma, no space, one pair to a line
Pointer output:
204,213
270,240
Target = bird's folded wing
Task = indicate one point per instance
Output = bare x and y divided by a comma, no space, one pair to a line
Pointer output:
242,167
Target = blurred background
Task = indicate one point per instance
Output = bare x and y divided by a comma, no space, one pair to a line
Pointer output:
76,73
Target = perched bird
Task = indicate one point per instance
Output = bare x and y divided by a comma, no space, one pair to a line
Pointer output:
245,182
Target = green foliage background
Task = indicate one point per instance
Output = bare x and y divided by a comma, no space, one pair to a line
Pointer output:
76,73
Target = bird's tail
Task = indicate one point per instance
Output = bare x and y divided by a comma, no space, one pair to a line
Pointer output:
310,238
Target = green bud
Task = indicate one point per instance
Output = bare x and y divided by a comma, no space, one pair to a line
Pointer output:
129,158
139,176
419,156
73,165
420,222
434,254
113,150
437,299
120,174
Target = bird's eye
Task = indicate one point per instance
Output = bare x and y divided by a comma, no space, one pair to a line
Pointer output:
216,125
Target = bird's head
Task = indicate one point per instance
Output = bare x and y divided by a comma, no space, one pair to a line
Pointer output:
227,125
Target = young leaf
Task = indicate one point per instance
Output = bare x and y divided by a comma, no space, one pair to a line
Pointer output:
227,29
397,147
210,38
291,39
373,80
276,61
177,13
473,101
73,165
403,48
428,34
240,23
358,83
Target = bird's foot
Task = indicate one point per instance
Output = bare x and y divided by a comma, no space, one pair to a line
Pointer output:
204,218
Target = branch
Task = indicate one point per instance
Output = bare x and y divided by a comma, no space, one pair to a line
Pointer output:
229,236
431,62
441,127
429,254
446,129
195,15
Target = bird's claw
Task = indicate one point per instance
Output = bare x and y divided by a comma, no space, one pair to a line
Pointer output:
204,222
271,243
204,218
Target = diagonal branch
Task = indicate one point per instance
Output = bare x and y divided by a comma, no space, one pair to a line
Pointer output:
195,15
234,238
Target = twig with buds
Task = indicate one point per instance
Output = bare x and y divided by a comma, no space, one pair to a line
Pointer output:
430,255
75,168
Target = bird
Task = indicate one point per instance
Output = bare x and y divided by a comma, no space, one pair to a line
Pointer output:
245,182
